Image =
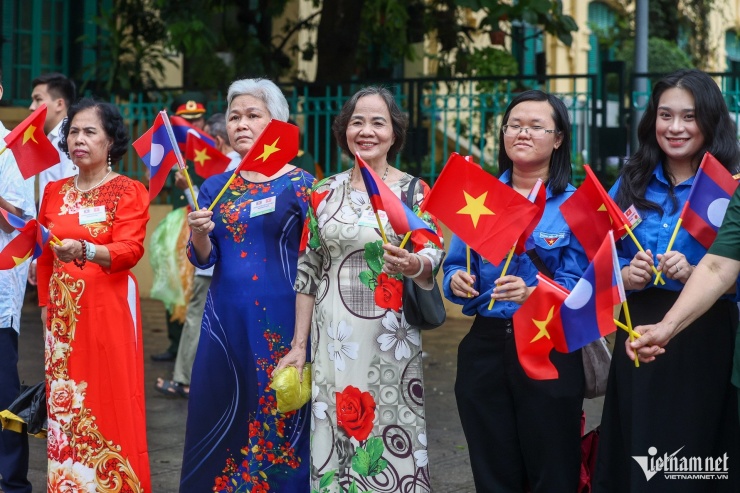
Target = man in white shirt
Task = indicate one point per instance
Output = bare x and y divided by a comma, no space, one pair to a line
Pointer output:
58,92
16,196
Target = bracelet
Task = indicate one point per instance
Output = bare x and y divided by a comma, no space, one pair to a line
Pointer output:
421,267
91,250
81,262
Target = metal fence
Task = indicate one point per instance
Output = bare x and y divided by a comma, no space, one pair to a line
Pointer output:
446,115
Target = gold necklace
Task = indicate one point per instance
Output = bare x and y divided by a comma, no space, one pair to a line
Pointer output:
348,189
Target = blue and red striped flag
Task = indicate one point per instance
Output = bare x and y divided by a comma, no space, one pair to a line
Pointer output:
704,210
155,149
402,218
588,311
181,128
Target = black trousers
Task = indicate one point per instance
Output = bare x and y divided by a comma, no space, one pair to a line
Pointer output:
682,402
520,432
13,446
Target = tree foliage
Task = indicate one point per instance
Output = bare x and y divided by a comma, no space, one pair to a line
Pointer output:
355,39
131,48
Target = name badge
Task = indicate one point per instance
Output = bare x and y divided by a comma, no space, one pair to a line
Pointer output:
89,215
633,216
264,206
368,219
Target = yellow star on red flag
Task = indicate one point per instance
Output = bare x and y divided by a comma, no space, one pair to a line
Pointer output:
29,135
475,207
268,150
542,326
201,156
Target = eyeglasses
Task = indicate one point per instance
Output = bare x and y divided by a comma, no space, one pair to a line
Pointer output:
514,130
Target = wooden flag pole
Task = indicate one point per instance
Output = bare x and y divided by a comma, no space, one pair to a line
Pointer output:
3,150
221,193
503,272
629,326
178,155
639,247
670,245
631,332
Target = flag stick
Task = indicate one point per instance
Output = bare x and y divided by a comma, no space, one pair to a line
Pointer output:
380,226
670,245
629,326
178,155
624,327
3,149
405,239
503,272
467,261
639,247
223,190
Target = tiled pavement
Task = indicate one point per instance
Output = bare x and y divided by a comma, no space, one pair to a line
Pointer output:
448,455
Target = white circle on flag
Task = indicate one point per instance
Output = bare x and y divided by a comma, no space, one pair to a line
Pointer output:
716,211
580,295
155,155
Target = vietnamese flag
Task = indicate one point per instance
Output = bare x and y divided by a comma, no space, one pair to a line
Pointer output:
538,196
486,214
710,194
155,149
591,213
208,160
31,147
588,312
276,146
381,197
538,329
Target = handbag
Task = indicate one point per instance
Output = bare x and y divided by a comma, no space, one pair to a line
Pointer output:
596,356
596,362
423,309
29,409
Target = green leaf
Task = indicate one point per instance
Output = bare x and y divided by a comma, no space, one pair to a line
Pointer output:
367,277
353,487
377,467
361,462
326,479
375,448
374,256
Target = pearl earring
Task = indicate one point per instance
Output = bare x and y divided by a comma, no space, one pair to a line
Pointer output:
109,166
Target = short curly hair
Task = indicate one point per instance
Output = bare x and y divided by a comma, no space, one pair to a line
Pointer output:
111,119
399,120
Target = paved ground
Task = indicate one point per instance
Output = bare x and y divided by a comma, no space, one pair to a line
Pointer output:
448,455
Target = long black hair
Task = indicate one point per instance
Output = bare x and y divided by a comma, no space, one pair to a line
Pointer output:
560,173
713,120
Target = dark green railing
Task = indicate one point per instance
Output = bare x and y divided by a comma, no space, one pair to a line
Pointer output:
445,115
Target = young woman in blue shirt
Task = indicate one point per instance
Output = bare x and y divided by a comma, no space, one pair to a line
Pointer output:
520,432
682,403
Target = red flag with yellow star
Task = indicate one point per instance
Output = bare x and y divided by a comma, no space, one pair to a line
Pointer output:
31,147
590,213
276,146
538,329
207,160
20,248
488,215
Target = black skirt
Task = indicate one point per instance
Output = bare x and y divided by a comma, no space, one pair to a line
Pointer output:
682,404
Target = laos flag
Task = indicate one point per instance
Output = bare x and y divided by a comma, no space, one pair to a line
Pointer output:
709,197
587,313
382,198
155,149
